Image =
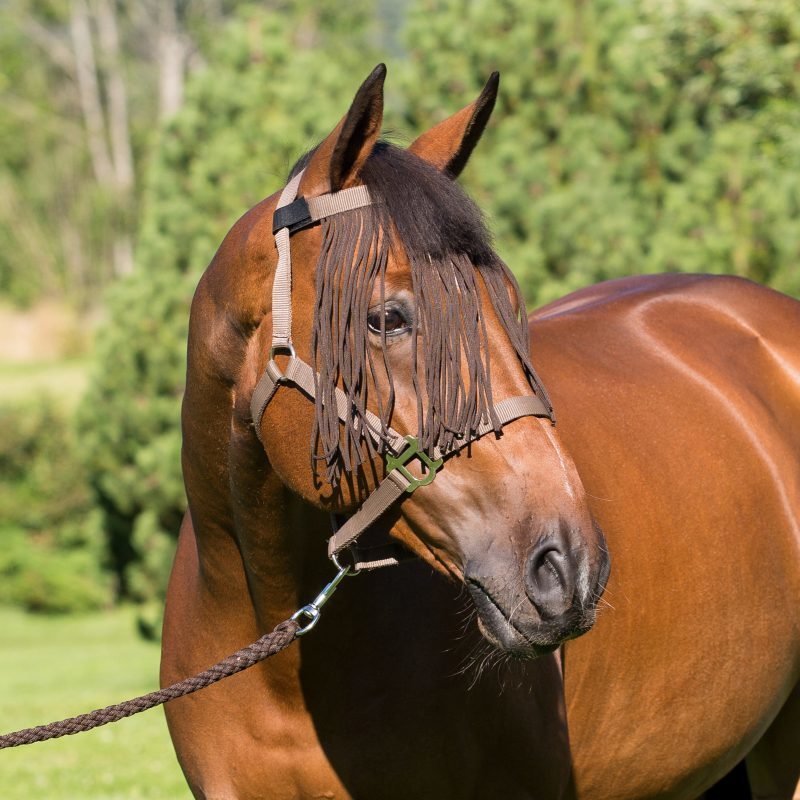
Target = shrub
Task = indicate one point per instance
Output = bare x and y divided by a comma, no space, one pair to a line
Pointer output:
658,135
53,550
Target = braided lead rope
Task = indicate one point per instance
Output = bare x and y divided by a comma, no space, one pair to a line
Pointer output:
268,645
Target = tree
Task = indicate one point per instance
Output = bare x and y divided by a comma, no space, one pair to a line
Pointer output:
77,78
631,137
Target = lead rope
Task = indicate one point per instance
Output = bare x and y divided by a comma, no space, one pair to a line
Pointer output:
268,645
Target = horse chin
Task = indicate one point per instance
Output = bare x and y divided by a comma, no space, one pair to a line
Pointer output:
523,641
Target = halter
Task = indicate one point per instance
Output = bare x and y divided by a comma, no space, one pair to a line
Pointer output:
291,215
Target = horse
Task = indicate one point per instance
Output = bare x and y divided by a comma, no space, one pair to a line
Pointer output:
394,336
679,399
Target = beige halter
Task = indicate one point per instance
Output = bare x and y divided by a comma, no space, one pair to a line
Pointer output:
295,214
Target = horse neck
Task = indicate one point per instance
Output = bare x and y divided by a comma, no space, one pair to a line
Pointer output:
250,532
280,538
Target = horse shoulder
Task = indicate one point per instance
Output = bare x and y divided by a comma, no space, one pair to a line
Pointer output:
210,608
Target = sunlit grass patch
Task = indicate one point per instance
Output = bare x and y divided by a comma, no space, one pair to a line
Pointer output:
63,380
56,667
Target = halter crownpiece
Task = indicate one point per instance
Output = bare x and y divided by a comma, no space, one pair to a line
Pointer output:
293,214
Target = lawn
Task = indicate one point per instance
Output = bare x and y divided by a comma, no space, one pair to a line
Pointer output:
56,667
65,380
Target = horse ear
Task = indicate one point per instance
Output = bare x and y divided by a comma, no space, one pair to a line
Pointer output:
449,144
336,161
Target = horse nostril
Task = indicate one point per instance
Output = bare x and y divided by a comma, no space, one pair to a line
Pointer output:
550,579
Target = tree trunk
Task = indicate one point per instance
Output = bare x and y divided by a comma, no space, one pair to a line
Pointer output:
172,55
89,92
117,110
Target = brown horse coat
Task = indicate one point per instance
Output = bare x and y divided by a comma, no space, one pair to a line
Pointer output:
678,400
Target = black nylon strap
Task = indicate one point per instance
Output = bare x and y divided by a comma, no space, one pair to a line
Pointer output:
295,216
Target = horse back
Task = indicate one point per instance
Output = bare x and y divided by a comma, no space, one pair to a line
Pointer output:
735,340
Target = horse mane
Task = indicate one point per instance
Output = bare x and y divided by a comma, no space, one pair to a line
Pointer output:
447,243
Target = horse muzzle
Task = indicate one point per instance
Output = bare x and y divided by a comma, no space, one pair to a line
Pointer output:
554,600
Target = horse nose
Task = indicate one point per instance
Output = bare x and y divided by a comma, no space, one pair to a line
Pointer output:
550,578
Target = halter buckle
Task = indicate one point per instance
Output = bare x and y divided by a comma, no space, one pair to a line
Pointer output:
413,450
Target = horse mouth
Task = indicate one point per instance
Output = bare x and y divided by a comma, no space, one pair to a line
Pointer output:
501,630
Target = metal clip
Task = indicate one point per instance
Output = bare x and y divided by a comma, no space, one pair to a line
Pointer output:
284,348
312,610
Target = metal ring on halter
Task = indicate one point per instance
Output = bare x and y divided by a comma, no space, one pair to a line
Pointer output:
310,611
286,349
350,571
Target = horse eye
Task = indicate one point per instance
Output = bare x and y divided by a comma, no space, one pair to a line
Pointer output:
394,321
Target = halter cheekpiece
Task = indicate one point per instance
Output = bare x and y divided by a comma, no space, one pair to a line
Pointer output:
293,214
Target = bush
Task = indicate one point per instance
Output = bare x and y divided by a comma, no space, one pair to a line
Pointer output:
54,552
631,137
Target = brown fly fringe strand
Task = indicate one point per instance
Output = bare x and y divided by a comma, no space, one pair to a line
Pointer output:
510,309
457,379
451,369
353,257
268,645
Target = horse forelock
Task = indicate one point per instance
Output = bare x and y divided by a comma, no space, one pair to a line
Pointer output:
448,247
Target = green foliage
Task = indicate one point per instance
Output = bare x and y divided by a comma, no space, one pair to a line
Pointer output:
78,122
129,418
275,85
630,137
57,224
274,79
53,547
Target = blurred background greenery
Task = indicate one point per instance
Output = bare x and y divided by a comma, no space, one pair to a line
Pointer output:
630,136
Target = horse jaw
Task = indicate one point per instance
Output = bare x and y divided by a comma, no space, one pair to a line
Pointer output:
516,531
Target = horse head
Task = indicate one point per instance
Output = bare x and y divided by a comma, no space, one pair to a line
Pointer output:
401,349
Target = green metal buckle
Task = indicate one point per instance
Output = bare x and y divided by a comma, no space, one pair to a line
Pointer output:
399,462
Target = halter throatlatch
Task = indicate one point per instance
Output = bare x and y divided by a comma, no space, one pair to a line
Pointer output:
293,214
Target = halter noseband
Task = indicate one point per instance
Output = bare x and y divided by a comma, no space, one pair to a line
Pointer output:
292,215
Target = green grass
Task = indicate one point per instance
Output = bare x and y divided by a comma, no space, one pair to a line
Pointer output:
65,380
56,667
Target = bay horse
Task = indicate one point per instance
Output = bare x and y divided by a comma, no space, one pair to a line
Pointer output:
679,399
372,274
